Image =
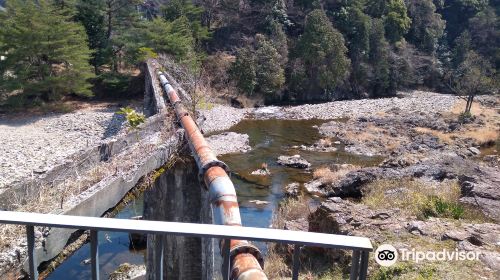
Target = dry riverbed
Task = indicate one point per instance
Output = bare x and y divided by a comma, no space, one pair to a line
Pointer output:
30,145
437,189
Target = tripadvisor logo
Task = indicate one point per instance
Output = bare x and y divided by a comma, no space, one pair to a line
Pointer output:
387,255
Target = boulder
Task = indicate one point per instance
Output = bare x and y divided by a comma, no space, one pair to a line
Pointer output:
316,187
295,161
292,190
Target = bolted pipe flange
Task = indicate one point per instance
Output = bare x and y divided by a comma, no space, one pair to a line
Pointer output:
208,165
248,249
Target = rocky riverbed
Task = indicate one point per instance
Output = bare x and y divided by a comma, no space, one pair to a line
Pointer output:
437,189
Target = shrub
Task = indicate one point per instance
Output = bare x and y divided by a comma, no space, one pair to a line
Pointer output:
134,119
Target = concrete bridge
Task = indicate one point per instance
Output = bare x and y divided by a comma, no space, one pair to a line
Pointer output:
196,190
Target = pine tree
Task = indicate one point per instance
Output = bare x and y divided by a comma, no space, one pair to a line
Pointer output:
324,53
379,59
91,14
355,25
47,52
270,76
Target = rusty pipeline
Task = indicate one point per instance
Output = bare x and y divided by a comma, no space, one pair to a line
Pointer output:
246,259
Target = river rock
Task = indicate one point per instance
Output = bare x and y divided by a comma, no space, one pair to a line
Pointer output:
475,150
292,189
128,272
316,187
261,172
295,161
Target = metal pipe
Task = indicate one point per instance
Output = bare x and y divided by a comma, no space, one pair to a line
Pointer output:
245,259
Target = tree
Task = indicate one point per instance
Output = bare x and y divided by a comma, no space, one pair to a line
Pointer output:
324,53
379,59
91,14
270,76
397,22
47,52
173,38
457,13
279,41
193,14
485,34
243,71
427,27
462,46
355,25
474,76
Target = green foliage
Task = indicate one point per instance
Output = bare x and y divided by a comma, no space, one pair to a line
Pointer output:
404,270
355,25
47,53
258,69
475,75
278,38
323,51
485,34
379,60
91,14
463,45
133,118
465,117
438,207
427,27
192,16
113,84
397,22
456,13
243,71
269,73
172,38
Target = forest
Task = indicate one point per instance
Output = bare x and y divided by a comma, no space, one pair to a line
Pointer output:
273,50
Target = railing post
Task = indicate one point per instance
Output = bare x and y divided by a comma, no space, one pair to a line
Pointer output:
159,256
94,254
364,265
226,259
354,265
30,233
296,262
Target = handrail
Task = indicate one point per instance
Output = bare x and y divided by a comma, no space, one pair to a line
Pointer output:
360,246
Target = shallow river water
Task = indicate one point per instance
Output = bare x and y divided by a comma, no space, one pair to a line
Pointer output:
269,139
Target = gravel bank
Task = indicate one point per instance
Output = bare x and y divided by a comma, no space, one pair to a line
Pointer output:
229,143
30,145
410,102
222,118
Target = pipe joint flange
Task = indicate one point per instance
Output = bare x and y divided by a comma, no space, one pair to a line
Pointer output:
211,164
247,249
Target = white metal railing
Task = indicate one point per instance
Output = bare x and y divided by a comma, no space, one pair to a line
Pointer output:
360,246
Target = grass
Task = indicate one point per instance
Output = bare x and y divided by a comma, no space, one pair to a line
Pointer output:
442,136
328,176
485,135
419,198
431,271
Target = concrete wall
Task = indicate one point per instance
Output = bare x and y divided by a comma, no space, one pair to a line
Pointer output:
155,110
107,193
178,196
